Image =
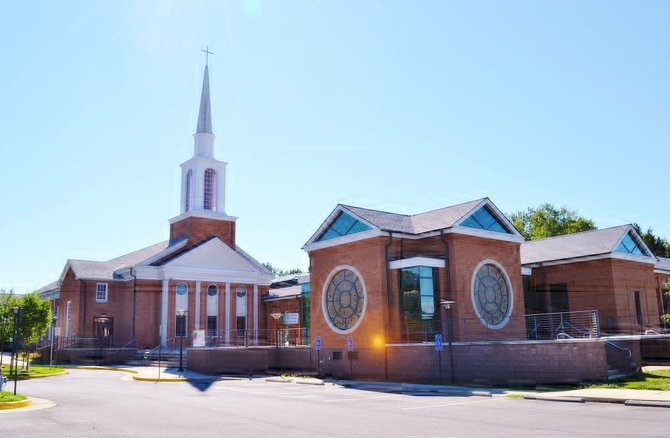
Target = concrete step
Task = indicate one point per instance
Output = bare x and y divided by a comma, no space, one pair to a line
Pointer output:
613,374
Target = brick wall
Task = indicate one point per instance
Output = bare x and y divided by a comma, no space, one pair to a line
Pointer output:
199,229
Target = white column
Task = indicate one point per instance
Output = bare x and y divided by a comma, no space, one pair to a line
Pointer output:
164,310
255,314
227,316
196,320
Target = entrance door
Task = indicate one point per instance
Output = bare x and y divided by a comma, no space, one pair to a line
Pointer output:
103,327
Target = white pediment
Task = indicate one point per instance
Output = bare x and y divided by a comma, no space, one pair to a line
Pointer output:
213,255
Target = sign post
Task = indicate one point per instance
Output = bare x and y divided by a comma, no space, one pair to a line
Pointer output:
438,348
317,344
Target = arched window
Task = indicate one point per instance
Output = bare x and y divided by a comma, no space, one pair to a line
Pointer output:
189,191
210,189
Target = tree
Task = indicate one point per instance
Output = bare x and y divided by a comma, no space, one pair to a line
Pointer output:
548,221
7,301
280,272
658,245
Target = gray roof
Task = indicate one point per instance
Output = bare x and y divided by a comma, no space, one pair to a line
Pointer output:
663,263
105,270
587,243
48,288
418,223
205,114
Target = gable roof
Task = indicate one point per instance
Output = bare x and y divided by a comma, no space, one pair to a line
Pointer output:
105,270
417,224
577,245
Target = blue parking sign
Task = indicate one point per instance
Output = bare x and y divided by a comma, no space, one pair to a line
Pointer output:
318,343
438,342
350,343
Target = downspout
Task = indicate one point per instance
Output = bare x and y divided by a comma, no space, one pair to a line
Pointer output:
446,266
134,302
388,303
450,316
82,323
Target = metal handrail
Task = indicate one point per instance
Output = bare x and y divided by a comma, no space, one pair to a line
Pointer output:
133,340
626,349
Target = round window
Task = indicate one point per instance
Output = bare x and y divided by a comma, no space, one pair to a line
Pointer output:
212,290
241,291
344,299
492,295
182,289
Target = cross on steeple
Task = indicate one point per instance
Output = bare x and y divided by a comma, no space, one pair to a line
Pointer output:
207,53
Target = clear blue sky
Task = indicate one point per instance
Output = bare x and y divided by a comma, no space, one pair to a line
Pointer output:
397,105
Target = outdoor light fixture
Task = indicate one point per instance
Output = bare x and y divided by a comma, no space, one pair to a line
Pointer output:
182,317
447,305
276,316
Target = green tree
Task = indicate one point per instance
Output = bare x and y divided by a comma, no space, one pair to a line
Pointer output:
277,272
7,301
658,245
548,221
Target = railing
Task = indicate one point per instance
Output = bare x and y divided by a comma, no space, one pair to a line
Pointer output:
625,349
563,325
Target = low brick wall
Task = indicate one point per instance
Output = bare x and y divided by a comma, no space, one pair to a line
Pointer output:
655,349
524,362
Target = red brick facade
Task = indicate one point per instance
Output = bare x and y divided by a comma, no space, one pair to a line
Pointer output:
198,229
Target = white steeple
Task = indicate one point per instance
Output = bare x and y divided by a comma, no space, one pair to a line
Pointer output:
204,177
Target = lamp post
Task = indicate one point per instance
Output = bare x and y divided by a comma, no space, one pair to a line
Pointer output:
276,316
182,318
447,305
54,320
17,314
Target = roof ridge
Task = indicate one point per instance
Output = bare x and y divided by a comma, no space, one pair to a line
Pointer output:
573,234
416,214
138,250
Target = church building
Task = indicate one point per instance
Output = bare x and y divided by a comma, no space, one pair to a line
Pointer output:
199,279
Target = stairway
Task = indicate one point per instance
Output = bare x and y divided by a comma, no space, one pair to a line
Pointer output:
168,359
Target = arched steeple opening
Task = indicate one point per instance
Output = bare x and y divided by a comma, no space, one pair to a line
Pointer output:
210,192
188,201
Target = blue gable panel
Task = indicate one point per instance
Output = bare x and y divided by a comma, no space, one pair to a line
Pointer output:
483,219
629,246
343,226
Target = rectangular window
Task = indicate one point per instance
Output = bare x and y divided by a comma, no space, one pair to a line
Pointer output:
101,293
638,310
418,304
68,314
241,325
180,325
211,326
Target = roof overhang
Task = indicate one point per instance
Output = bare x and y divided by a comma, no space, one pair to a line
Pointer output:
612,255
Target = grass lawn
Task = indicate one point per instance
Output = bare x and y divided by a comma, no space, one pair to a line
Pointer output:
34,371
658,380
10,397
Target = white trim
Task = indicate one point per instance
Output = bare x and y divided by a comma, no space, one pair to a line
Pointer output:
507,317
227,315
164,310
196,318
656,271
613,255
485,234
205,214
526,271
417,261
329,221
638,241
323,299
349,238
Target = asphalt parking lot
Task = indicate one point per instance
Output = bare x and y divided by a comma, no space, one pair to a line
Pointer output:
110,403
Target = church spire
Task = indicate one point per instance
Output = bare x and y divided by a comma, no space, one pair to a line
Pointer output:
205,115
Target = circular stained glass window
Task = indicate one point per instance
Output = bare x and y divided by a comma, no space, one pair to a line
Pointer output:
344,300
492,295
212,290
182,289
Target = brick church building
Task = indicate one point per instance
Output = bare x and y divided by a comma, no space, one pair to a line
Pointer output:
198,279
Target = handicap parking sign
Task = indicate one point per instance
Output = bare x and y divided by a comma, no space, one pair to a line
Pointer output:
350,343
438,342
318,343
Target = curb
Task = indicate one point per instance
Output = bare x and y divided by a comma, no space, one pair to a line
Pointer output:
155,379
16,404
556,399
43,376
647,404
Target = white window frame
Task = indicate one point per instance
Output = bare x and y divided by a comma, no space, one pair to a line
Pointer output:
99,298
